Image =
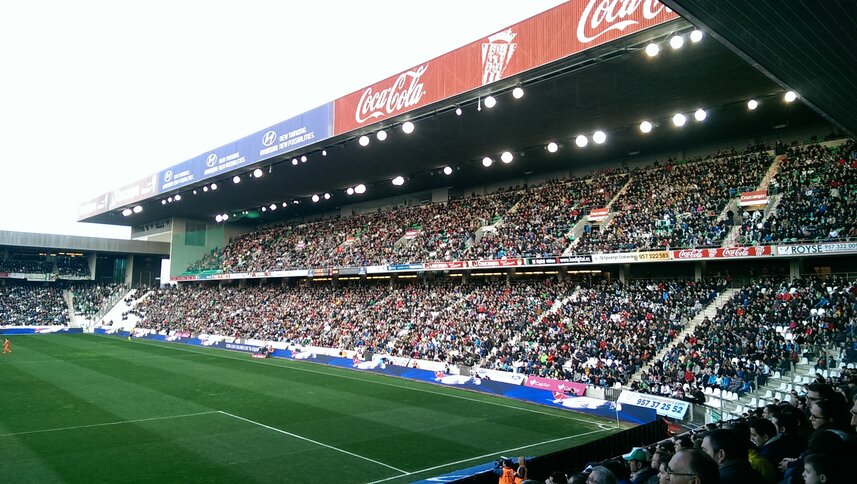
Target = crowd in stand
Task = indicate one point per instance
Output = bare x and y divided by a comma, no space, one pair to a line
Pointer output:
89,299
76,267
819,202
32,304
671,205
677,205
597,335
768,326
25,266
541,222
811,441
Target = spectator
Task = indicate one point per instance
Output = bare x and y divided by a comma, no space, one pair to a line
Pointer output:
730,454
689,465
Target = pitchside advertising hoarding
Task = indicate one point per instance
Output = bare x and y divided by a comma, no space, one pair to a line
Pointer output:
818,249
665,407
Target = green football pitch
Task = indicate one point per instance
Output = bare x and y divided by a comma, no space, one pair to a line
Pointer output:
86,408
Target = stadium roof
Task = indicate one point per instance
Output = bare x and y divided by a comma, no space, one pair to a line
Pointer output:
27,240
612,87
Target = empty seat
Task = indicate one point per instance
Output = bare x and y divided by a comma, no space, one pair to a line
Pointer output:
707,391
777,374
769,394
804,361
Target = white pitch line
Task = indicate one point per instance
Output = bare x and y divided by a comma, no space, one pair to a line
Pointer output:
492,454
123,422
347,377
321,444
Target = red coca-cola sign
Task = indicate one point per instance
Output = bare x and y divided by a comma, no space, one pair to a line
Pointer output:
562,31
720,253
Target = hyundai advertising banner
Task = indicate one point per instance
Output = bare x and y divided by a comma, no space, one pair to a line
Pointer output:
626,413
289,135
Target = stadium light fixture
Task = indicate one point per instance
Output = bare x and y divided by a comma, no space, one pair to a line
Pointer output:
205,188
676,42
163,202
679,120
652,50
552,147
127,212
258,173
581,141
360,189
381,135
752,104
225,217
790,96
296,202
218,218
214,186
303,158
487,161
599,137
696,36
327,196
399,181
285,204
178,197
447,170
273,206
294,162
364,140
700,115
518,92
236,179
646,127
350,191
194,191
408,127
315,198
506,157
138,209
458,111
264,209
490,101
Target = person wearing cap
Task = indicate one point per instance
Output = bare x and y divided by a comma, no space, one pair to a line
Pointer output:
639,460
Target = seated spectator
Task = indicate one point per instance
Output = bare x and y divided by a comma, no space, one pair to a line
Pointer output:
730,454
689,464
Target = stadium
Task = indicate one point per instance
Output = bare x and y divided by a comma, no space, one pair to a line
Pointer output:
613,242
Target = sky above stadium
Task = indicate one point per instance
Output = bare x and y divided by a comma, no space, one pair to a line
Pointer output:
97,94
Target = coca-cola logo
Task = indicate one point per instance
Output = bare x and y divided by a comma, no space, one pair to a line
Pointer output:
406,91
691,254
737,252
602,16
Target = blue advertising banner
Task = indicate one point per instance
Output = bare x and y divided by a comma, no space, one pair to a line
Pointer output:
626,413
314,125
13,330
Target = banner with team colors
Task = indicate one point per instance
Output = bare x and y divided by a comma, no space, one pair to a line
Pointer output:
484,382
564,30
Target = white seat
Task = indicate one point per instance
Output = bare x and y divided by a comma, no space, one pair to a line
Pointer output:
769,394
799,389
850,366
789,387
778,396
762,403
777,374
783,387
798,379
739,409
752,404
804,361
707,391
807,380
716,393
825,374
733,397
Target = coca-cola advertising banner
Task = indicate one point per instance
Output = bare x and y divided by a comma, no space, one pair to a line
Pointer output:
721,253
555,385
759,197
562,31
